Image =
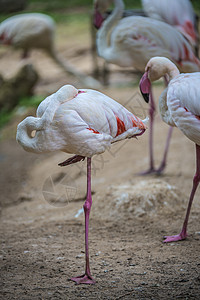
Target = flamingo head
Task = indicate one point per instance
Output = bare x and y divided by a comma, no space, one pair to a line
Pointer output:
100,9
155,69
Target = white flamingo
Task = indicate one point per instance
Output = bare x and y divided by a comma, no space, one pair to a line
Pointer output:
132,41
178,13
34,30
84,122
179,106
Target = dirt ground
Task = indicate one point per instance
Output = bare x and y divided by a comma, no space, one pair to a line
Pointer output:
41,224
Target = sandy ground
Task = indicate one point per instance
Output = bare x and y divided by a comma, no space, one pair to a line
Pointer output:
42,229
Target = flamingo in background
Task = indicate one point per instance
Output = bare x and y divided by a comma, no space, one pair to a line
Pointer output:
178,13
84,122
34,30
132,41
179,106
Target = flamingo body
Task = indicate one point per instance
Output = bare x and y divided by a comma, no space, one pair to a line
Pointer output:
34,30
178,13
182,101
84,122
28,31
132,41
179,106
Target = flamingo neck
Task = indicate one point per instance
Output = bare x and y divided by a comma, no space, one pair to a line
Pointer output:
103,37
169,71
173,72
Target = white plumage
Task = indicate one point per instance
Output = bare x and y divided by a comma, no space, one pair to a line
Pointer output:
182,101
84,122
179,106
28,31
37,31
132,41
178,13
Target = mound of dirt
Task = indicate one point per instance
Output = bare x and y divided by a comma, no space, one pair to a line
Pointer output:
145,197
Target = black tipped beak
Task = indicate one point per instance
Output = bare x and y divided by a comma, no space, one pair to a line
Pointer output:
145,87
145,96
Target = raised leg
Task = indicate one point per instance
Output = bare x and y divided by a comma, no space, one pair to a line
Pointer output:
196,179
151,123
86,277
163,163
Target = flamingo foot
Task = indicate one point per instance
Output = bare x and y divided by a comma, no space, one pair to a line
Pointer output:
175,238
160,170
148,172
84,279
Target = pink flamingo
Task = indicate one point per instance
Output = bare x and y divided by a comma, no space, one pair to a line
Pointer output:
36,31
178,13
132,41
84,122
179,106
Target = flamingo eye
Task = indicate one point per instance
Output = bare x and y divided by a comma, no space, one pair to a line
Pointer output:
33,133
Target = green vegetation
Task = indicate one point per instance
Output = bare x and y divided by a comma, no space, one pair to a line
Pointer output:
24,103
60,5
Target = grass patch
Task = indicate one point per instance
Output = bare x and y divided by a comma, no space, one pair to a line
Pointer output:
24,103
32,101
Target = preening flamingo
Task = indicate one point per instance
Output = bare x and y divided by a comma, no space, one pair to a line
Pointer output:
83,122
178,13
132,41
34,30
179,106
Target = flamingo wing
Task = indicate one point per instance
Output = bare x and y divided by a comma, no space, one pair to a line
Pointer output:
142,38
184,104
178,13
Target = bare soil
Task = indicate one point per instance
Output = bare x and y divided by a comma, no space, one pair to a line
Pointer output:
42,237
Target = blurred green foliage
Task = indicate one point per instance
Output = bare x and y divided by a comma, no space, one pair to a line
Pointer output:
33,101
52,5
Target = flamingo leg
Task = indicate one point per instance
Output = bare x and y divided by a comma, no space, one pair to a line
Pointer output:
196,180
151,123
86,278
163,163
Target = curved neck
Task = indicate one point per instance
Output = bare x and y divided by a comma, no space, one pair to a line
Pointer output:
163,68
103,37
173,72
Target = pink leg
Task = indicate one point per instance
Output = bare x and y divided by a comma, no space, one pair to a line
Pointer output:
163,163
86,278
196,179
151,122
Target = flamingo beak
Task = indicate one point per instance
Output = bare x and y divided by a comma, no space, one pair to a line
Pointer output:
145,86
98,19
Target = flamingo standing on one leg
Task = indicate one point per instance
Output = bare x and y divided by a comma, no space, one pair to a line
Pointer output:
84,122
132,41
179,106
36,31
178,13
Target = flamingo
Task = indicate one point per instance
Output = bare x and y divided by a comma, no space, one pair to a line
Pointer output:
132,41
178,13
34,30
85,122
179,106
